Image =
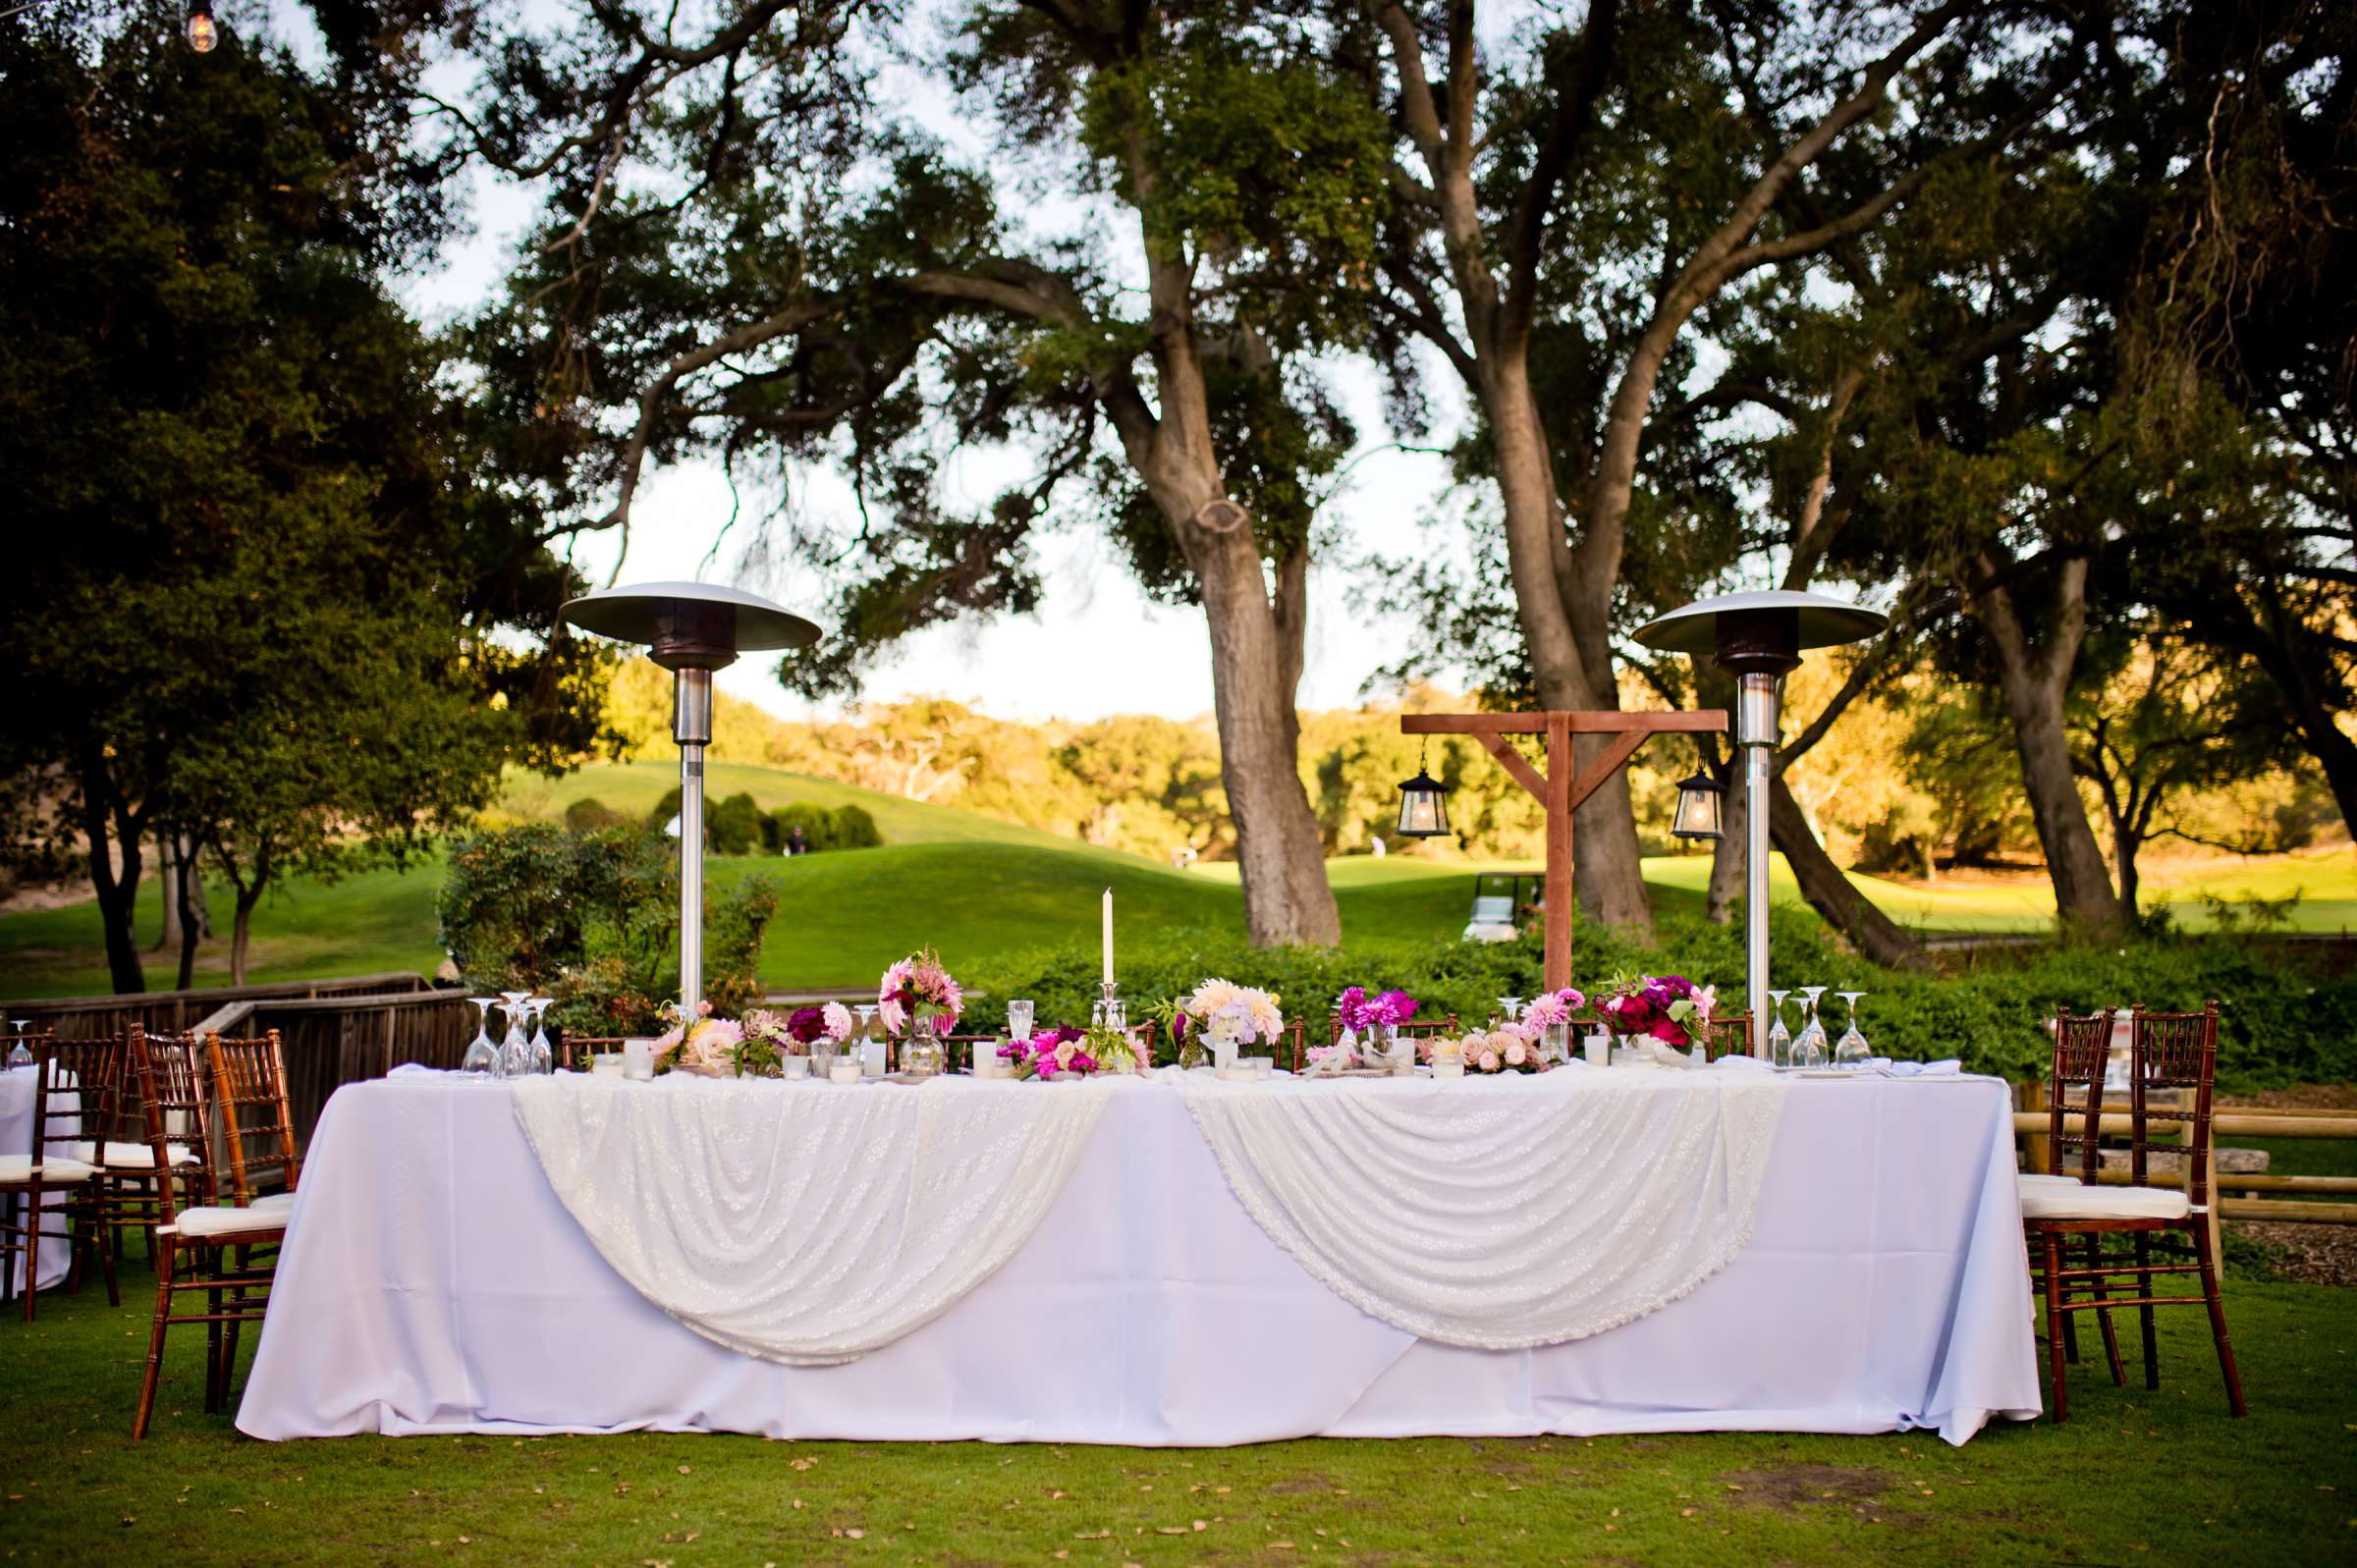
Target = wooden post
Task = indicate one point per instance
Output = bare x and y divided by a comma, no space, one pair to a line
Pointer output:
1560,895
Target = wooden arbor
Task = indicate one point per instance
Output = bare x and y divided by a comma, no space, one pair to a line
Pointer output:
1563,785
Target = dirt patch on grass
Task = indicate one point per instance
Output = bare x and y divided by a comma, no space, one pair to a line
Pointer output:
1302,1486
2314,1255
1791,1485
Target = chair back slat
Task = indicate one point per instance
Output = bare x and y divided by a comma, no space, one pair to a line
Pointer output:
2082,1047
2175,1052
173,1096
74,1095
258,1123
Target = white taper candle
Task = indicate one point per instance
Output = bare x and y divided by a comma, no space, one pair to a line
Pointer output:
1109,936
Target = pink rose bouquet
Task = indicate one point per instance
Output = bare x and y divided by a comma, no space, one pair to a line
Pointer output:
705,1046
1049,1052
917,993
1670,1009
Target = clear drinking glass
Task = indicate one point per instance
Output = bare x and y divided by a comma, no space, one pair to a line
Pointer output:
543,1058
1850,1050
1780,1038
1019,1020
481,1055
515,1050
1808,1048
871,1042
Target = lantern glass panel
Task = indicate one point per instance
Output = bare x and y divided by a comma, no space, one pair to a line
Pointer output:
1699,799
1423,808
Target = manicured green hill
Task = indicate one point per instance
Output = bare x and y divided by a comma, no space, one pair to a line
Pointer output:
974,887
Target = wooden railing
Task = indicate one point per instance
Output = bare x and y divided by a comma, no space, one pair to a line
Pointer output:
172,1011
331,1041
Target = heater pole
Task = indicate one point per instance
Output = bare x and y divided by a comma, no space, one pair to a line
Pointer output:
1756,716
691,727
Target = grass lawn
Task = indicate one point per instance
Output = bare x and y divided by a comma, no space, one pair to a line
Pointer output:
975,887
2135,1477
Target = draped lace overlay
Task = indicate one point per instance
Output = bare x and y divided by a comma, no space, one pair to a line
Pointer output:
806,1224
1503,1214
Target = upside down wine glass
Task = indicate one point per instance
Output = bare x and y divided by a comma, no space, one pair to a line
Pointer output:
481,1055
515,1050
1780,1038
1808,1049
1850,1050
543,1059
21,1053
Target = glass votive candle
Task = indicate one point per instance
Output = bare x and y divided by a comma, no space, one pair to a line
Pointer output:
1448,1058
639,1060
606,1065
845,1070
795,1068
1599,1049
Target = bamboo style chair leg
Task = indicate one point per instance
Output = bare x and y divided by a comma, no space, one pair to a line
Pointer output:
32,1201
155,1337
2144,1287
2094,1250
2055,1316
213,1333
2217,1318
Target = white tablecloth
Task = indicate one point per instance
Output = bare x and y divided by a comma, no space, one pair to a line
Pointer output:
17,1086
433,1284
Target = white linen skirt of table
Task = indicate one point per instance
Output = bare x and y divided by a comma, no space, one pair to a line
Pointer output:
17,1086
433,1284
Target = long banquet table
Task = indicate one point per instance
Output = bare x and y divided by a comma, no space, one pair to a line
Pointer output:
434,1282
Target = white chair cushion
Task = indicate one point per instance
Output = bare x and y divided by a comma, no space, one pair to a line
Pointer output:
225,1219
2029,1176
275,1200
136,1156
2050,1201
56,1169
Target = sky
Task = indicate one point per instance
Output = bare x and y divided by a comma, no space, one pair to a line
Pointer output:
1096,646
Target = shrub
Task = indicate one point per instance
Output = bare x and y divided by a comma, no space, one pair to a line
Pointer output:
854,829
588,814
734,826
2279,1024
816,822
593,920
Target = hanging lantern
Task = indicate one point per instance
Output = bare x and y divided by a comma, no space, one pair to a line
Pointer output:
1423,805
1699,799
203,34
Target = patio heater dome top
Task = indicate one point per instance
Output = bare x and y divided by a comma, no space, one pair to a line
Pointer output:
1814,621
690,623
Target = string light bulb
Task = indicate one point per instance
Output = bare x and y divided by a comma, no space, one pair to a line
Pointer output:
203,33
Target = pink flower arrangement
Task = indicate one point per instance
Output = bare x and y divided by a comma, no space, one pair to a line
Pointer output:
918,993
1492,1051
1551,1007
1670,1009
707,1046
1358,1010
1049,1052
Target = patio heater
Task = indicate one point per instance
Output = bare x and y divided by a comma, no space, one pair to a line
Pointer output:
1757,637
690,628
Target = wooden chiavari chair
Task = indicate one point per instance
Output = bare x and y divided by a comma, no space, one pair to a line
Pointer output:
2169,1229
204,1245
72,1093
573,1051
1730,1036
127,1164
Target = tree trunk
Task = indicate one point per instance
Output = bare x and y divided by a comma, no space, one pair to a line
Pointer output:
1830,891
1255,666
1726,855
191,928
2035,682
1609,867
242,933
169,879
117,889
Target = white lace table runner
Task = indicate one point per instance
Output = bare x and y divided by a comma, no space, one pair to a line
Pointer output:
806,1224
1500,1214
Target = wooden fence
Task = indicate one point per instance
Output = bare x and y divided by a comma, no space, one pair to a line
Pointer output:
331,1041
169,1013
